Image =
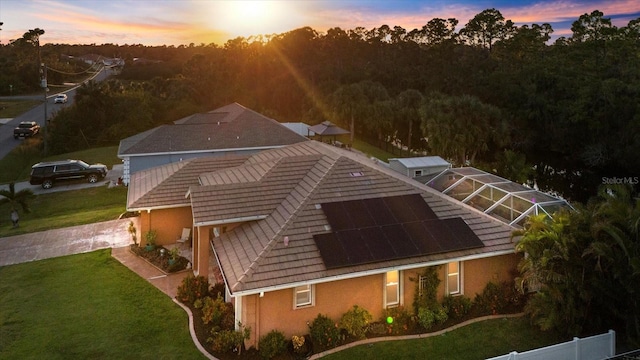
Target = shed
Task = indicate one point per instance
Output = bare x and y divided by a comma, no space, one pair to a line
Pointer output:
419,166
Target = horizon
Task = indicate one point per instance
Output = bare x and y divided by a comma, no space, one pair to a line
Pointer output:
175,23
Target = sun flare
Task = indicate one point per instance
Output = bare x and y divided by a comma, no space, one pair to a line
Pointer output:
246,18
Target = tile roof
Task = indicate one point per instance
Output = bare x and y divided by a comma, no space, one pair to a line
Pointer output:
253,256
166,186
226,128
280,192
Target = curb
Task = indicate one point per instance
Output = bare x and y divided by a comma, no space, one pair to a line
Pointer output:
192,331
411,337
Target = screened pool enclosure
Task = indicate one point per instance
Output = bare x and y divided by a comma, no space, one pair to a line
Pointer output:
505,200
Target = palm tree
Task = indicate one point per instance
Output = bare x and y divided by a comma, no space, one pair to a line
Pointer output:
16,199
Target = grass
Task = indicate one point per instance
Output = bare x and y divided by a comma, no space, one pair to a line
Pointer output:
67,208
88,306
16,166
13,108
472,342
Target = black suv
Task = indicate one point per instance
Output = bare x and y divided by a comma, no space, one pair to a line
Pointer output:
47,173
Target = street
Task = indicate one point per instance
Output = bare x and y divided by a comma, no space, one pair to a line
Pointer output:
7,142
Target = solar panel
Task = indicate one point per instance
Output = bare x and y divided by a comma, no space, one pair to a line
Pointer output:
331,250
359,214
355,247
379,211
399,240
337,216
380,229
398,207
422,238
467,239
379,245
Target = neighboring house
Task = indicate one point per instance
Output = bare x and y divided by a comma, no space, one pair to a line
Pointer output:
232,129
299,128
417,167
310,228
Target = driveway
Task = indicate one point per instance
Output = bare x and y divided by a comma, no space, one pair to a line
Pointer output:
111,179
66,241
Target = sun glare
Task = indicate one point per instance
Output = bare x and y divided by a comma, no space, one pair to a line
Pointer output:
246,18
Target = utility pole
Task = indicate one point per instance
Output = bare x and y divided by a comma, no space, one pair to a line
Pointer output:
46,121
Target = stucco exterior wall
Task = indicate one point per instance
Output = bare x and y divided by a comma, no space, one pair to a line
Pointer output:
168,224
477,273
275,310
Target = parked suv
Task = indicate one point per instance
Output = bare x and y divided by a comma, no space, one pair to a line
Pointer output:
48,173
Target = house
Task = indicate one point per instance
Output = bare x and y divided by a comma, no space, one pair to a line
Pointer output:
417,167
310,228
231,129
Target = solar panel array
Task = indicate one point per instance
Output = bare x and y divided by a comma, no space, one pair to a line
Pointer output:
380,229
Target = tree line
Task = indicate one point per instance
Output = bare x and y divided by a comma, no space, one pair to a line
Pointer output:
490,94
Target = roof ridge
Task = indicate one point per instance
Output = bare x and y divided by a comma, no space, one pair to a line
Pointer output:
172,170
260,171
332,162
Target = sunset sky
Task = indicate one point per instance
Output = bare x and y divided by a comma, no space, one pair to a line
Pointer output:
176,22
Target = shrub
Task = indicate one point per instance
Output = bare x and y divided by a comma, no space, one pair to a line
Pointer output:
355,322
498,298
216,290
429,317
426,297
397,319
324,333
299,344
272,344
193,288
456,306
229,340
377,329
218,313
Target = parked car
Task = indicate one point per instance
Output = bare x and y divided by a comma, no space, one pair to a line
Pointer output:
48,173
25,129
60,99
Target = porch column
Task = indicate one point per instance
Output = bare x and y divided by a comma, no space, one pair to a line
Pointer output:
201,253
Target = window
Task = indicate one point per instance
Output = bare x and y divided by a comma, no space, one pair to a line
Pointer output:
453,278
392,288
417,173
422,284
303,296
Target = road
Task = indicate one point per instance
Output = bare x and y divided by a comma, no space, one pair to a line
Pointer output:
37,114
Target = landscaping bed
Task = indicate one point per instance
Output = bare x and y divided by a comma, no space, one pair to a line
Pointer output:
163,259
214,328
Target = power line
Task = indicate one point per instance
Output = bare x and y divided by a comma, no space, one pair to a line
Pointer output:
78,73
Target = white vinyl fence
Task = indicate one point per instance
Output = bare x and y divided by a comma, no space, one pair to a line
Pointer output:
596,347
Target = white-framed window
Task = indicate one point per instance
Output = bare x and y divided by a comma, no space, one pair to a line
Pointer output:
422,284
454,285
417,173
303,296
392,288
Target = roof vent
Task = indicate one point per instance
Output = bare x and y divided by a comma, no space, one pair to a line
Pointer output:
286,241
356,174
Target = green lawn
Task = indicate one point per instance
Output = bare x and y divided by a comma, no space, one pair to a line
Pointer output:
67,208
472,342
13,108
88,306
